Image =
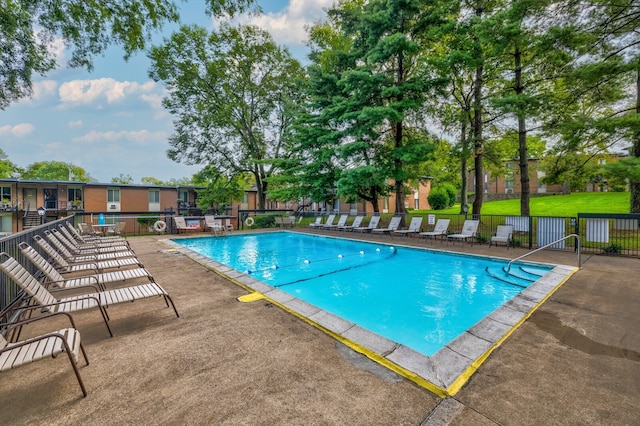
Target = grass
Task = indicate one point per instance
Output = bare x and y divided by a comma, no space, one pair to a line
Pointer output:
555,205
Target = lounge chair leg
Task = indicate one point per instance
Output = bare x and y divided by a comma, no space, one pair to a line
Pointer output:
74,365
168,299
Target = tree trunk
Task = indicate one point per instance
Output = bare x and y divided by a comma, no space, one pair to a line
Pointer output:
464,177
525,193
477,141
397,162
634,186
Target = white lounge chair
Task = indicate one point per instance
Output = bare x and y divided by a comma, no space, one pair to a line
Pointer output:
58,240
181,225
373,224
414,227
440,230
84,257
503,235
65,265
469,230
393,226
356,223
214,224
96,280
41,298
317,223
341,222
48,345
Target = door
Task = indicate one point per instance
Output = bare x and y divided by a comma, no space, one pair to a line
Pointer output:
29,199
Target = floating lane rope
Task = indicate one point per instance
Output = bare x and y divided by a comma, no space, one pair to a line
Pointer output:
306,262
393,250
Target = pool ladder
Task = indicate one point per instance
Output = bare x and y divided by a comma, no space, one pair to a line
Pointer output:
576,236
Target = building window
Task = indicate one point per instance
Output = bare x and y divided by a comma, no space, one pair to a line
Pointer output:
113,195
5,193
154,196
74,194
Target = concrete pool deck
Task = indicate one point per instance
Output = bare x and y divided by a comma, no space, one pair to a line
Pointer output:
576,360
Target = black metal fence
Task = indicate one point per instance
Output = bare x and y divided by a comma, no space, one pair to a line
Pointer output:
9,290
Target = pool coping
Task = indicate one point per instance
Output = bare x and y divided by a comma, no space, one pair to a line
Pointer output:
447,370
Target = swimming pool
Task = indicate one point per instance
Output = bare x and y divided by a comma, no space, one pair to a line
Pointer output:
396,299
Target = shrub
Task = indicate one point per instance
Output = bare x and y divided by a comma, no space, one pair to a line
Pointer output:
451,193
613,248
264,221
438,198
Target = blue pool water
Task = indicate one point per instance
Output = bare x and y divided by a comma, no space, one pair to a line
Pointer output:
419,298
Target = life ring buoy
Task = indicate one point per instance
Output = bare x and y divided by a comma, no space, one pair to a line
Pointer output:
160,226
249,221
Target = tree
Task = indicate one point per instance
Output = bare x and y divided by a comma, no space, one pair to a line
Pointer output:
375,90
7,168
149,180
122,179
220,190
233,93
55,170
30,30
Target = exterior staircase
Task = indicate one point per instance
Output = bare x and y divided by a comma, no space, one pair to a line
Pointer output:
31,219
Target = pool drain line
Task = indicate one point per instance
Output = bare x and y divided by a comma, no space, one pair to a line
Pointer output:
394,251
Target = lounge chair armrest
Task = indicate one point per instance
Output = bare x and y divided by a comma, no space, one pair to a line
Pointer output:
15,324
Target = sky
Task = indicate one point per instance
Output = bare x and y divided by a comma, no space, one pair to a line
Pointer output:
110,121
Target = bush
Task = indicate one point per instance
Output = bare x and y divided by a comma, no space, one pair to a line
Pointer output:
146,220
264,221
438,198
451,192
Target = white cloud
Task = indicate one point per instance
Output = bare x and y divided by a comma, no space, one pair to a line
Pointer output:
18,131
140,137
288,26
44,89
86,92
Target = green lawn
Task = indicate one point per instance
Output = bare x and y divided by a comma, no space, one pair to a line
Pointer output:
556,205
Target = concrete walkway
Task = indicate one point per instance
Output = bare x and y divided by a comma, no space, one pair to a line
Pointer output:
575,361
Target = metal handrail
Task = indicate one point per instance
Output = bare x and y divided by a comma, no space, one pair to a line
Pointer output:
576,236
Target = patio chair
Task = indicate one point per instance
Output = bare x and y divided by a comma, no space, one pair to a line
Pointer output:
373,224
214,224
181,225
504,234
41,298
97,281
440,230
393,226
52,344
341,222
279,221
72,237
85,234
414,227
85,257
116,232
227,225
84,249
317,223
356,223
328,222
469,230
